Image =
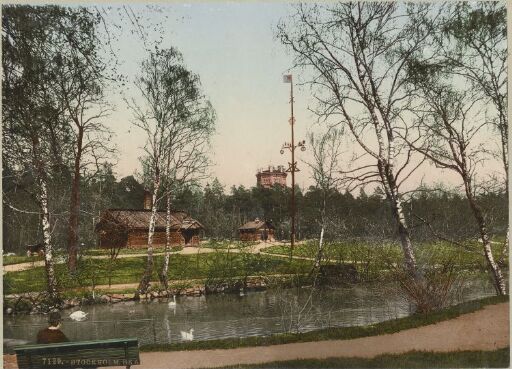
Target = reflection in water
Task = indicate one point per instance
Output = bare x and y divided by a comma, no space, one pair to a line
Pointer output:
231,315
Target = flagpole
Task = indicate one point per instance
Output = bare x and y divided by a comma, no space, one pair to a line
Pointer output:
292,166
292,238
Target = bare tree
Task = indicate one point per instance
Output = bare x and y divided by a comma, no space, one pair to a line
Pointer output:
186,155
448,132
78,83
358,53
325,169
472,44
174,112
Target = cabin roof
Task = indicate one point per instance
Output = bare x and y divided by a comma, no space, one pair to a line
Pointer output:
139,219
256,224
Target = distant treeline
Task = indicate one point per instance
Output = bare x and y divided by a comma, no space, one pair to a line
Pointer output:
430,213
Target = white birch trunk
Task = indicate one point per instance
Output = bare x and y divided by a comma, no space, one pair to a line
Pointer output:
391,190
146,278
499,281
49,263
165,269
47,241
320,248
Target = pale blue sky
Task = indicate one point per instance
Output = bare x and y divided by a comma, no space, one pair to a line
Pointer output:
231,46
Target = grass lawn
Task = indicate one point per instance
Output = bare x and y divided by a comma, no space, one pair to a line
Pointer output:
9,260
414,359
343,333
125,251
372,258
216,265
227,244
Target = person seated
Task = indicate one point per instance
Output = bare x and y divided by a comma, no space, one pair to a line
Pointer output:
52,334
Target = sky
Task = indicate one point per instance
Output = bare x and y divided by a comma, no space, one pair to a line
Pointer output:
231,46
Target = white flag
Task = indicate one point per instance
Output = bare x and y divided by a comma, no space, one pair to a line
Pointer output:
287,78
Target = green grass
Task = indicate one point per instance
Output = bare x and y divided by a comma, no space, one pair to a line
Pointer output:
227,244
216,265
371,259
125,251
9,260
413,359
344,333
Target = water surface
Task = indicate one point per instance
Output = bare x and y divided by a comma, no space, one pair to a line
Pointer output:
231,315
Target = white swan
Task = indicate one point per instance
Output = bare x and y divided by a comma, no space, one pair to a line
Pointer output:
78,316
187,336
172,304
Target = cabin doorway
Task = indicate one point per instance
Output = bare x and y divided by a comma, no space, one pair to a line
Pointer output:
188,236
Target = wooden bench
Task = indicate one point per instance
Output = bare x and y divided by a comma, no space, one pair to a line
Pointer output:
85,354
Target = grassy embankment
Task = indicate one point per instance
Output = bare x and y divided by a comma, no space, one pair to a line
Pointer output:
371,259
342,333
414,359
211,266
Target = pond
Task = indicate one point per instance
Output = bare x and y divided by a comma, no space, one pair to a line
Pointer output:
231,315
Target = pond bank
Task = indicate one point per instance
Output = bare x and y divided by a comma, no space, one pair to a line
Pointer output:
34,302
486,329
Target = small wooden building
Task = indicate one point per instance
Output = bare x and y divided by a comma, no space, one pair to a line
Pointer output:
257,230
129,228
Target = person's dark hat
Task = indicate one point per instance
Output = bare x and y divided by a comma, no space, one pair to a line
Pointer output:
54,319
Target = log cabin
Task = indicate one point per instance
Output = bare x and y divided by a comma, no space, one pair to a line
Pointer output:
257,230
129,228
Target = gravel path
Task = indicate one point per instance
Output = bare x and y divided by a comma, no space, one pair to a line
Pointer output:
486,330
186,251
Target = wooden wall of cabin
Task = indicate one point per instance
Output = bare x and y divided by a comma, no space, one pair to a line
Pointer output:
257,235
139,239
112,238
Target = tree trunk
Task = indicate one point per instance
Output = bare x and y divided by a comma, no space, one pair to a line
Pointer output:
405,238
47,241
146,278
397,212
51,278
164,278
74,210
499,281
321,242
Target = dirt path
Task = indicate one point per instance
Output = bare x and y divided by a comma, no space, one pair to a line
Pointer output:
186,251
486,329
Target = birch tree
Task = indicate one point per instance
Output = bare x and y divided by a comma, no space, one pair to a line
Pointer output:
33,128
354,56
171,115
472,44
449,133
186,152
325,168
